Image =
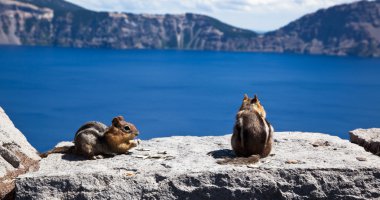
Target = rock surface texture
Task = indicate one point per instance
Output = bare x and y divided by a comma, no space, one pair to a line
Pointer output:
367,138
301,166
17,156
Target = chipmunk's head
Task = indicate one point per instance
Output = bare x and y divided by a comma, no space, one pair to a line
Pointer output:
125,127
252,104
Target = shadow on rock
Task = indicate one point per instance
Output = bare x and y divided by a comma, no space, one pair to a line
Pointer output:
222,153
75,157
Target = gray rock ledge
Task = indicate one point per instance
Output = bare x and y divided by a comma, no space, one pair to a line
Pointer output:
17,156
367,138
302,166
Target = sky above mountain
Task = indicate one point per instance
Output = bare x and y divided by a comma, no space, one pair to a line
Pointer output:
259,15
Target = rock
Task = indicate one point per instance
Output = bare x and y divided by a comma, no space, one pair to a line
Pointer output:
320,143
367,138
17,156
361,159
192,172
292,161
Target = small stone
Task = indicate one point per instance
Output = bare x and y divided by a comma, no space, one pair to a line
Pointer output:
141,156
166,165
10,157
321,143
142,149
162,152
292,161
155,156
129,174
361,159
169,157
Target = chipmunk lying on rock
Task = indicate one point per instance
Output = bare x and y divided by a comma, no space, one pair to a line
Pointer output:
252,137
95,140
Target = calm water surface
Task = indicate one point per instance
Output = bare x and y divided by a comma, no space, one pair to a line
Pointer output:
50,92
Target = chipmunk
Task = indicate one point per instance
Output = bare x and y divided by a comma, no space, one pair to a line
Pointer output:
252,136
95,140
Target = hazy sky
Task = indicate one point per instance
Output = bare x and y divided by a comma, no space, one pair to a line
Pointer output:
261,15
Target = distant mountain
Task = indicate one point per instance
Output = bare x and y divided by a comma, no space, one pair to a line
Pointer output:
58,23
350,29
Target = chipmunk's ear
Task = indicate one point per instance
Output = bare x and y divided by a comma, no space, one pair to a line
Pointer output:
121,118
245,97
255,99
116,121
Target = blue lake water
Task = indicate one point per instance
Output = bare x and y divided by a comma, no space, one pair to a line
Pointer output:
50,92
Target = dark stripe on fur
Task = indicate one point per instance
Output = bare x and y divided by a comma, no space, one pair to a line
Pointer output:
96,125
270,130
262,125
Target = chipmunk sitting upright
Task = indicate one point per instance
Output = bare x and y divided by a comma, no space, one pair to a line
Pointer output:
252,136
95,140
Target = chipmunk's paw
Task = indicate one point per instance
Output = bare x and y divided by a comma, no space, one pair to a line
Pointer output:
97,157
134,143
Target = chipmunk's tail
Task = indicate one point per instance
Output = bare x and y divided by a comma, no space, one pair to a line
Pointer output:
240,160
64,149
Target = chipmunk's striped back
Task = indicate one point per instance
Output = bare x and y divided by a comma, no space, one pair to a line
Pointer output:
252,135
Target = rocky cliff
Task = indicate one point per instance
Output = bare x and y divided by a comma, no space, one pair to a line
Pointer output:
38,22
301,166
24,23
349,29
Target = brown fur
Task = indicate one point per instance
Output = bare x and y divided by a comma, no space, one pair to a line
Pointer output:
94,139
118,139
252,136
254,104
